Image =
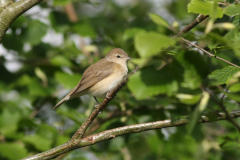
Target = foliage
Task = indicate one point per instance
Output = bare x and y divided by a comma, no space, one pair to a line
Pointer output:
45,52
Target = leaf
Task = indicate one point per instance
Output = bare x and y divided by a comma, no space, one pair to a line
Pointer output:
41,75
39,142
188,99
205,8
69,81
235,87
234,96
222,75
60,61
150,44
36,28
130,33
84,30
37,89
232,10
198,110
149,82
12,151
236,20
195,69
158,20
9,122
61,2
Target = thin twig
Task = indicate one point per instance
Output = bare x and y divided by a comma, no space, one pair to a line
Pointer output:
211,55
198,20
220,104
136,128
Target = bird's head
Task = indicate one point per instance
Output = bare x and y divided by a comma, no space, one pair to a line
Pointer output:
117,55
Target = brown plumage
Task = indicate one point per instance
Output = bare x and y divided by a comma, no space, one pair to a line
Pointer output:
101,77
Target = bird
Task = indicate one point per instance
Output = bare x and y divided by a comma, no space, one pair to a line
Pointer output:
101,77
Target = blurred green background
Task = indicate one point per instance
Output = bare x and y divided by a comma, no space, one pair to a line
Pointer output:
45,51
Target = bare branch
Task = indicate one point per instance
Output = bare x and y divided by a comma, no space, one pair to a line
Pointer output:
11,11
109,134
211,55
198,20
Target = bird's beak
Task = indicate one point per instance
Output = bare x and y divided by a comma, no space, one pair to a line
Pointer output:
127,58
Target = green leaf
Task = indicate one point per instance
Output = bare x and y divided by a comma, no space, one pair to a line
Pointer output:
158,20
188,99
149,82
222,75
130,33
236,20
232,10
69,81
84,29
59,21
150,44
205,8
35,32
60,61
12,151
9,122
39,142
195,69
198,110
61,139
61,2
235,87
234,96
37,89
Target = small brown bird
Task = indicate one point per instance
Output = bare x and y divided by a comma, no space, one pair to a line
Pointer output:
101,77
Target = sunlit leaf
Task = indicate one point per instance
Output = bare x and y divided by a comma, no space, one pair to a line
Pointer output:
148,82
158,20
222,75
232,10
38,141
205,8
198,110
12,151
150,44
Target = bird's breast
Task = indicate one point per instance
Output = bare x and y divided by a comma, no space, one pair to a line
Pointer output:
101,88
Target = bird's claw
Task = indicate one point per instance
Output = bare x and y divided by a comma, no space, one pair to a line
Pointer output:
96,106
108,97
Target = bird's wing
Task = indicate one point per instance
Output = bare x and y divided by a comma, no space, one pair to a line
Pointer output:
93,74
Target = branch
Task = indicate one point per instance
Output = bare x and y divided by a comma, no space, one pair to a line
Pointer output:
198,20
109,134
9,11
228,116
211,55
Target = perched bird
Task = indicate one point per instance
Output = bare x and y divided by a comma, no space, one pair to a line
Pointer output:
101,77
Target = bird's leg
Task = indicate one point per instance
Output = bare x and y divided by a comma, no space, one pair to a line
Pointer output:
96,106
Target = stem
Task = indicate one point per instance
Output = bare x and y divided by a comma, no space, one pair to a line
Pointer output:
136,128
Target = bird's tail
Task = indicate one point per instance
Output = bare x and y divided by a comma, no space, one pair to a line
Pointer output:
61,102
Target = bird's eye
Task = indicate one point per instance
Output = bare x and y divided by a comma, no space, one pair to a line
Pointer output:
118,56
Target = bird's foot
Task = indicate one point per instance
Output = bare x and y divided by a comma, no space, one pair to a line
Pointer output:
107,96
96,106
